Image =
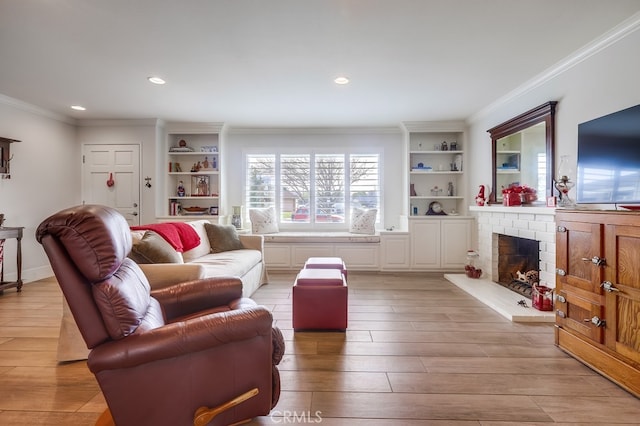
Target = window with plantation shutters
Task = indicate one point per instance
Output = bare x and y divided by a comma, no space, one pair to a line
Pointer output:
364,189
260,184
313,190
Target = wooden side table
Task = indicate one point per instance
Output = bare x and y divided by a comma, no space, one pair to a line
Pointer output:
5,233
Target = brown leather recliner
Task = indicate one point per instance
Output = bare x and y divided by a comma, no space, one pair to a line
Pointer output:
193,353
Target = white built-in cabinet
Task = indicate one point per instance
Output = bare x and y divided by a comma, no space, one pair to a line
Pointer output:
439,244
357,256
436,174
425,244
436,166
431,242
395,249
193,179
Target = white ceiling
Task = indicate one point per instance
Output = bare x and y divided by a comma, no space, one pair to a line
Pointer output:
272,62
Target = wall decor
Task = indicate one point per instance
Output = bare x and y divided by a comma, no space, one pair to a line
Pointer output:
6,157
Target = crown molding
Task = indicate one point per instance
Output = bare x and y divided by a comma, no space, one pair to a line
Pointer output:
118,122
313,130
609,38
193,127
27,107
434,126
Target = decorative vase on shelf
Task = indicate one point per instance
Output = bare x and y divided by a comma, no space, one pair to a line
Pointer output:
563,182
236,218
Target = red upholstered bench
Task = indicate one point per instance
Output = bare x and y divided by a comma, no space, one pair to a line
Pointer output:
326,263
320,300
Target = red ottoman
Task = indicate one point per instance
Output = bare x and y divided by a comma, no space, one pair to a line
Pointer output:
326,263
320,300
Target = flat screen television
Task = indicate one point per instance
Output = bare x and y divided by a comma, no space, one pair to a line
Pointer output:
609,159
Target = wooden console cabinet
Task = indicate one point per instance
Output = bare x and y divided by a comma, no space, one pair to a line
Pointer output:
598,292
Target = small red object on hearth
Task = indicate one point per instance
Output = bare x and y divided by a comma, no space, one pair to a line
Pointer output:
542,297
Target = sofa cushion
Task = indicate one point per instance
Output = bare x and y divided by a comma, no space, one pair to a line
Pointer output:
203,248
153,248
263,221
222,237
234,263
363,221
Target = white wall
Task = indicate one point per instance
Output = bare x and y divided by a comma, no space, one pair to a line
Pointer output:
45,178
603,83
388,141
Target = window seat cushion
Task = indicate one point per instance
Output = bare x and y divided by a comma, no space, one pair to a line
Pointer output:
320,237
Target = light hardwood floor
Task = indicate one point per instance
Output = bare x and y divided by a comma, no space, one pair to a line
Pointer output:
418,351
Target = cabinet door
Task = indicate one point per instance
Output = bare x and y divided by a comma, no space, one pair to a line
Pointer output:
456,240
578,245
623,301
277,255
358,256
395,251
301,252
425,244
575,311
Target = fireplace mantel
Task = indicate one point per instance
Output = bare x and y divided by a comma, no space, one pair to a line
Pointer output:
532,209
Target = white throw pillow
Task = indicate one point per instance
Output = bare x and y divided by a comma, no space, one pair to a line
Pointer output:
363,221
201,249
263,221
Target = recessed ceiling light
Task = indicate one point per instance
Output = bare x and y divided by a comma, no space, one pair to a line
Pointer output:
156,80
78,107
341,80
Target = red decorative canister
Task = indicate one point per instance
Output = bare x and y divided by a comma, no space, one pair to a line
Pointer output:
542,297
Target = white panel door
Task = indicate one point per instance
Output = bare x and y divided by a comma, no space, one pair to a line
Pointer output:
111,177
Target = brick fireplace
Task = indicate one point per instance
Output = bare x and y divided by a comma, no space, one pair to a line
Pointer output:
532,223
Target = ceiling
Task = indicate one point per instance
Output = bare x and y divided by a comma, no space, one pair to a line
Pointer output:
272,62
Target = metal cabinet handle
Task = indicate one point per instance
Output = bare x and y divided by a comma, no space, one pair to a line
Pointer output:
596,321
595,260
607,286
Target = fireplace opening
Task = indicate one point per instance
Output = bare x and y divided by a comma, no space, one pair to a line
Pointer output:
518,263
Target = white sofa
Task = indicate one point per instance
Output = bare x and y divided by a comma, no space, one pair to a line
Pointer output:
246,264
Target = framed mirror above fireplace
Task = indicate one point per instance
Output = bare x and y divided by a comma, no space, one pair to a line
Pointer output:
522,151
